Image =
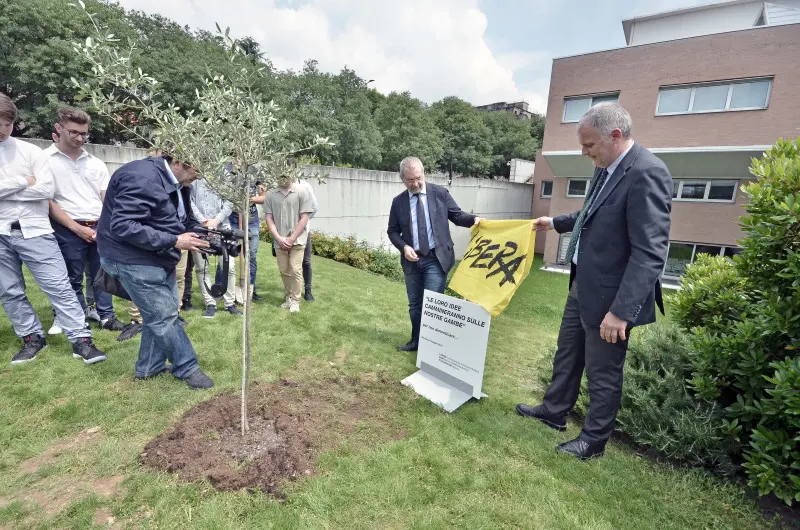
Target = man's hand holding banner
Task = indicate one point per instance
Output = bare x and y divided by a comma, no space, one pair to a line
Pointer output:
497,260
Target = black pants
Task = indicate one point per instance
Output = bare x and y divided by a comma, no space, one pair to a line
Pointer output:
187,290
580,347
307,264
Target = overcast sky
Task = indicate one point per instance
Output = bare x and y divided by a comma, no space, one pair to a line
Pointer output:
480,50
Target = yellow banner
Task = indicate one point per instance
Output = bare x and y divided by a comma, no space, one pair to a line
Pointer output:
497,260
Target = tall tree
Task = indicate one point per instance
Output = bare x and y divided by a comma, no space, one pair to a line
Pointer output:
467,149
408,129
337,106
510,138
537,128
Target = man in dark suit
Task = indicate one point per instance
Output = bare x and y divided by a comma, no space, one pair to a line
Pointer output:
617,252
418,228
142,230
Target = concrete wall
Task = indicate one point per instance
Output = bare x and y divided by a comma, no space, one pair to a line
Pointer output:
113,156
357,201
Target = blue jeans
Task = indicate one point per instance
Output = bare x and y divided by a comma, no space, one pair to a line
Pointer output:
43,258
155,293
428,274
76,252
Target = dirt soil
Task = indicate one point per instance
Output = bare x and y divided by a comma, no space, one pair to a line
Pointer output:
290,424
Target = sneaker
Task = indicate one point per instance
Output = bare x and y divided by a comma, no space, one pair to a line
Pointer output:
294,306
233,310
55,329
257,298
211,310
187,306
130,331
112,324
91,314
86,350
198,380
31,345
286,304
308,296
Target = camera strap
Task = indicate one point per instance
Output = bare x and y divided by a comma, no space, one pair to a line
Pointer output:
218,289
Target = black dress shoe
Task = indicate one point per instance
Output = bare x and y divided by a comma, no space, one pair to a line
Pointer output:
539,412
411,346
582,449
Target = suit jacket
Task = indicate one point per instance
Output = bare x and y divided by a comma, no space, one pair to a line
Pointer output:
441,208
140,223
624,241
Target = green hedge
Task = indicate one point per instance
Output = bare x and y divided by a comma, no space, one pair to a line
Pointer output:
657,410
349,250
744,319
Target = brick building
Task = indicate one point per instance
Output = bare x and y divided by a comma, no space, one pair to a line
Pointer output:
708,88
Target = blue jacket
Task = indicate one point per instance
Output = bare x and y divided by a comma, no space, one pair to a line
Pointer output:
441,207
140,224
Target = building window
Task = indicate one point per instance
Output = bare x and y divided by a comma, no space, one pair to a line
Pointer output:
563,244
705,190
680,255
574,108
577,187
547,189
714,97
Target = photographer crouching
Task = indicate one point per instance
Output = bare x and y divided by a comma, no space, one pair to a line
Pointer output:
144,225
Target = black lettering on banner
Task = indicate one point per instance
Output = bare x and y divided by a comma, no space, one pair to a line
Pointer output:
497,262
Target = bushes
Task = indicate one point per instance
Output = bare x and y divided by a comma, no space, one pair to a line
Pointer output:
358,254
744,319
657,409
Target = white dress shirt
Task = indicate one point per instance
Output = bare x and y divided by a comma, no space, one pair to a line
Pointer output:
19,202
412,199
611,168
78,183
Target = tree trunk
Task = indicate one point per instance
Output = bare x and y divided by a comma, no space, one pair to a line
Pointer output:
245,218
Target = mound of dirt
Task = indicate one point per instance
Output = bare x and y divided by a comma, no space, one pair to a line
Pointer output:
290,423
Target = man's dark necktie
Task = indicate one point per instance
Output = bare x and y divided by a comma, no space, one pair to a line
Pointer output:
587,205
422,227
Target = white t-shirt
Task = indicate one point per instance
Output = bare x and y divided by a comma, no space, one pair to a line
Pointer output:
19,202
78,183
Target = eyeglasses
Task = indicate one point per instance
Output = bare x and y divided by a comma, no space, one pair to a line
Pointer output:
74,134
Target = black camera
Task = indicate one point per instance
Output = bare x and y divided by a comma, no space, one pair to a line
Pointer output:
222,241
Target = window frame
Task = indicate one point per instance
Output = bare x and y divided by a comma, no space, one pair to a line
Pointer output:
541,192
590,97
585,189
707,191
722,249
726,108
561,239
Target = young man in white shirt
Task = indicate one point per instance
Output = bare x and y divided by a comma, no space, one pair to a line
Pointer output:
81,181
26,236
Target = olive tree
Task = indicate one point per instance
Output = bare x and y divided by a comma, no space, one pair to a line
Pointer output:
233,138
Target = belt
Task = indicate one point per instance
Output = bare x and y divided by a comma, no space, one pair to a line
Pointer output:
90,224
15,226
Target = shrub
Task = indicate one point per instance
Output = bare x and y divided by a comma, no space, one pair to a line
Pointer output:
745,320
358,254
657,410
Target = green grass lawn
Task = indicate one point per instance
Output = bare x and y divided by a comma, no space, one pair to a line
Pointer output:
480,467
